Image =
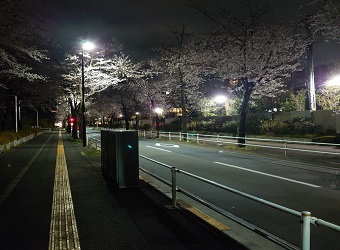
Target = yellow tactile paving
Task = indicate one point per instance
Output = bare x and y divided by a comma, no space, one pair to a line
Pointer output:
63,229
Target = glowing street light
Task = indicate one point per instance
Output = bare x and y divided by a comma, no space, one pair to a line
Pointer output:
159,110
335,81
88,45
85,46
220,99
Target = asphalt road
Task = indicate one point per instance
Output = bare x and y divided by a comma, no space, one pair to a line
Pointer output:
26,185
296,185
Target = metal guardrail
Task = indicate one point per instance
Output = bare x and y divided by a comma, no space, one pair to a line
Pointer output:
285,145
305,216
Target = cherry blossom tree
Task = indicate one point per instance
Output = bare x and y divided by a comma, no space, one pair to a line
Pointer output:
320,22
155,95
182,75
104,107
18,41
247,49
22,51
323,19
105,68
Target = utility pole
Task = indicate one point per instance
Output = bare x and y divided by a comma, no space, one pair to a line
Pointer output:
311,99
16,113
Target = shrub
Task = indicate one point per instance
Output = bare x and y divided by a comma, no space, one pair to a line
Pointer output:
325,139
299,127
195,126
145,127
230,127
253,125
173,126
10,136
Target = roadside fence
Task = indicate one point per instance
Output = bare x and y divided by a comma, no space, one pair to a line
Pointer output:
284,145
94,143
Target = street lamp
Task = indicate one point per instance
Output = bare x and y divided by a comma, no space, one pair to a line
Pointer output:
335,81
158,112
85,46
137,121
221,99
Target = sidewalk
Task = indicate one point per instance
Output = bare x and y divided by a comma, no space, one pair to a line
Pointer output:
133,218
106,217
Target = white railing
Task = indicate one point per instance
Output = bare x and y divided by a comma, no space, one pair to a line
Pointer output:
285,145
305,216
94,143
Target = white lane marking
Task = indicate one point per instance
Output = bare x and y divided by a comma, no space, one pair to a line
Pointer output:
270,175
159,149
167,145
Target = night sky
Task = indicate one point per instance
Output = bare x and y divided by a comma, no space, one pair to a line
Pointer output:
136,23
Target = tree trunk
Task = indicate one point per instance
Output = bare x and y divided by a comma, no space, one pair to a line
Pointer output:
184,112
68,128
126,118
157,124
80,124
137,122
243,113
74,130
127,124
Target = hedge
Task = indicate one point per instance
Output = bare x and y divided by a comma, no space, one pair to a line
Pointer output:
10,136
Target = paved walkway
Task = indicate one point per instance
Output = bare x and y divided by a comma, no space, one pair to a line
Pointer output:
53,196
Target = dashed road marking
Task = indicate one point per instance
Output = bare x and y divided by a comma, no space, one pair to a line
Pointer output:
159,149
167,145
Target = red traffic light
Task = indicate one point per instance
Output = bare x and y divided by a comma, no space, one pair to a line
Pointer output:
72,119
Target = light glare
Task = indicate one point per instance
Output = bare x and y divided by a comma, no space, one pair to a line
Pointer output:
334,81
158,110
88,45
220,99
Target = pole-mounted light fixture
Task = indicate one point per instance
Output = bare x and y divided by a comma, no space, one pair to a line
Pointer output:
85,46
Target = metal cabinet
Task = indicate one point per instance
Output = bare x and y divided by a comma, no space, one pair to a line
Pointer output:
119,156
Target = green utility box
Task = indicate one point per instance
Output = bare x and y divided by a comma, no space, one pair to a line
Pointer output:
119,157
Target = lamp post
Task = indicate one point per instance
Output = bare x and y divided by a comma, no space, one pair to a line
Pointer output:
86,46
137,120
